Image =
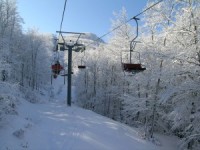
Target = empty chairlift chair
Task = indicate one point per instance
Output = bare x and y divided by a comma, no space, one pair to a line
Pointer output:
131,59
82,64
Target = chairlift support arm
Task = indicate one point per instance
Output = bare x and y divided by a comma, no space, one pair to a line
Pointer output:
133,42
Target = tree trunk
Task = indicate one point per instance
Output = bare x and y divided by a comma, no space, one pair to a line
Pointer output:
155,102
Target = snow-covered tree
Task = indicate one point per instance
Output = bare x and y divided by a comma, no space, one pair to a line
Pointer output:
164,97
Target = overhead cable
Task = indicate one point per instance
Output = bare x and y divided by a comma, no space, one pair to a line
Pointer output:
63,15
99,38
125,22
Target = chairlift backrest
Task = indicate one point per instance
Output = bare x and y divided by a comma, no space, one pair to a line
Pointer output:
57,67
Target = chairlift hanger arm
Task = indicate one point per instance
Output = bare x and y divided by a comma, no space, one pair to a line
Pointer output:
133,43
136,20
78,39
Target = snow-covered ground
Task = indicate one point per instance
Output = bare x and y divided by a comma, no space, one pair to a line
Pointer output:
54,126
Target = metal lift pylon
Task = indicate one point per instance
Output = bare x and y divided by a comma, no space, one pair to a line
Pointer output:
70,47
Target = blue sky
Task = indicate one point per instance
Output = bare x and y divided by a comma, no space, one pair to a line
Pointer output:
80,16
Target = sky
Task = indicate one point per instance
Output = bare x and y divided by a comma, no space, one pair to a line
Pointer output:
92,16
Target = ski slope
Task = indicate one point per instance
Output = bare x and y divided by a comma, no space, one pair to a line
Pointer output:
54,126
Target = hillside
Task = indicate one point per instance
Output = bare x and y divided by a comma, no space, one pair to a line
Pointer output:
90,39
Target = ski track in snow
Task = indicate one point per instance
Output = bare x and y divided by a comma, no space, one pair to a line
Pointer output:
58,127
54,126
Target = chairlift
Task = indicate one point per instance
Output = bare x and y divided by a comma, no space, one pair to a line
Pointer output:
56,68
131,59
82,63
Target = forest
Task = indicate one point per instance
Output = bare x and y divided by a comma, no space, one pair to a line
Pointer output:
164,98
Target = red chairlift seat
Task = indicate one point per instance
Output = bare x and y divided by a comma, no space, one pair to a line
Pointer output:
132,67
81,67
56,68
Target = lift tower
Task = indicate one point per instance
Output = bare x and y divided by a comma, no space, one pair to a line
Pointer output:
70,46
